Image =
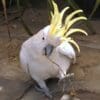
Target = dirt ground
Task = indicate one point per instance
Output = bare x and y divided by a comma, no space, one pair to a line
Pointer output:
16,85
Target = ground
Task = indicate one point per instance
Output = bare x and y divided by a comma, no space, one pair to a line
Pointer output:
16,85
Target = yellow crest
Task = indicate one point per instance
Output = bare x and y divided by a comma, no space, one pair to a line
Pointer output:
64,30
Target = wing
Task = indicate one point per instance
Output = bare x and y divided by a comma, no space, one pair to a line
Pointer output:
66,49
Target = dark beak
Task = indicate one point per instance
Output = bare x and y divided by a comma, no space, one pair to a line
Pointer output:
48,50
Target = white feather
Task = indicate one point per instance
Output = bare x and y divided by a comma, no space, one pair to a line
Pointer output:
31,56
63,56
41,67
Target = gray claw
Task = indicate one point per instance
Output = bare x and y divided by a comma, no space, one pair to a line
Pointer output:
45,92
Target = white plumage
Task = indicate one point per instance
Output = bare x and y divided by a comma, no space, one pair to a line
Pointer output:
41,67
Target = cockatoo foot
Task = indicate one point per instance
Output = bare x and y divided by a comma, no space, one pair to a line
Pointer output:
69,75
46,92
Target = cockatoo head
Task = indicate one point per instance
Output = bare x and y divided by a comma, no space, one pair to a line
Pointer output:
54,41
60,31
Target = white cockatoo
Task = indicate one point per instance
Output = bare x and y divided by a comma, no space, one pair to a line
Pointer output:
38,61
49,53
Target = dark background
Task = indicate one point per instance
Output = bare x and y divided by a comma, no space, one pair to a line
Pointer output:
86,5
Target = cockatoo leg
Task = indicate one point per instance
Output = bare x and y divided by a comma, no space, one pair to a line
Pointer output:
43,88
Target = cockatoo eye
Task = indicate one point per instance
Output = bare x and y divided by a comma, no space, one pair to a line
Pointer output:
43,38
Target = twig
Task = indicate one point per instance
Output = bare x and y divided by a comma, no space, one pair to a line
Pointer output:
21,18
10,19
6,18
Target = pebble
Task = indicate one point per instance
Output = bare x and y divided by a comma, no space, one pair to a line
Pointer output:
68,97
65,97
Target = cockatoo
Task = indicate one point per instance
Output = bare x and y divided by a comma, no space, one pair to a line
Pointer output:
49,53
38,61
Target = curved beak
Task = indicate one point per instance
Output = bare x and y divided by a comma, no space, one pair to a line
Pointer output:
48,50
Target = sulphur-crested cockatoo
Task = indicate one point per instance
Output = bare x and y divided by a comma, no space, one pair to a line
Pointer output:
38,61
49,53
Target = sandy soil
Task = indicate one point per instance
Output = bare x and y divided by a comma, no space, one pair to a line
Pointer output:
14,82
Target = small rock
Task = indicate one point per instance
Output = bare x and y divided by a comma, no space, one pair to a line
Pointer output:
65,97
68,97
75,98
1,88
14,26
